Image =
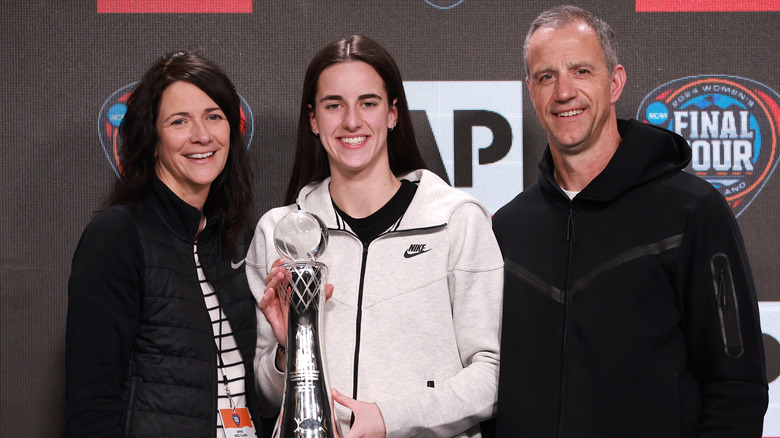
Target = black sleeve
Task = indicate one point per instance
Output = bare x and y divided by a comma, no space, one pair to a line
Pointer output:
722,324
104,295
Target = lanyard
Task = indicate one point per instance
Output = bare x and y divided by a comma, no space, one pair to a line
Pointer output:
221,363
218,345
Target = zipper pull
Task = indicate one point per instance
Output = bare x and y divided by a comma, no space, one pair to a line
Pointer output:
570,227
721,290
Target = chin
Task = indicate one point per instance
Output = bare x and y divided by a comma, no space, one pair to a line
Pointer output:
204,180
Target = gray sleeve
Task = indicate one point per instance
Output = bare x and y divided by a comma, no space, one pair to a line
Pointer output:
270,382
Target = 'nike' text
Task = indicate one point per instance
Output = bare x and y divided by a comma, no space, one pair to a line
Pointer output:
415,249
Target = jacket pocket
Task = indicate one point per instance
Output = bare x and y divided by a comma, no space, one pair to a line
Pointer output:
727,305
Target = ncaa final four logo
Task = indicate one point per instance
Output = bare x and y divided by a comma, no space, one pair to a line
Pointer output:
731,124
113,112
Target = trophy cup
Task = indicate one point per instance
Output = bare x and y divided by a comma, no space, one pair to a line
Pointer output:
307,409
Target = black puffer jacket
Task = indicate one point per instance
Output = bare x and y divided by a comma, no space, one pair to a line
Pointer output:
629,310
140,350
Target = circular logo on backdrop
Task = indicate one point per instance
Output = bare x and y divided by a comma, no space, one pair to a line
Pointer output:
113,111
731,125
444,4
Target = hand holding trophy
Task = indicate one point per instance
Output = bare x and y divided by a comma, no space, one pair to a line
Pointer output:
307,409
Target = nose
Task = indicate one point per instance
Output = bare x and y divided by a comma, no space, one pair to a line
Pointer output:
199,132
352,119
565,89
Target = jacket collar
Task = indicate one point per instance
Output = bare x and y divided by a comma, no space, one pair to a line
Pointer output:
431,206
182,218
645,153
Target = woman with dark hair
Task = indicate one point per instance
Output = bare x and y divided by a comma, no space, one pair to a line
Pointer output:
411,331
311,160
161,324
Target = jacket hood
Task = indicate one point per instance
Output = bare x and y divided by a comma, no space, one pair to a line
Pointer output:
645,153
431,206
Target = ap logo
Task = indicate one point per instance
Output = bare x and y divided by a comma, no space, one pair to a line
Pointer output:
476,128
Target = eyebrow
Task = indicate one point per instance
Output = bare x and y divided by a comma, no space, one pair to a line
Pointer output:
580,64
185,113
361,97
569,66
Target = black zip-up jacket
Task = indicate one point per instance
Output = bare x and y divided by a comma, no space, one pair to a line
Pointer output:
629,311
140,350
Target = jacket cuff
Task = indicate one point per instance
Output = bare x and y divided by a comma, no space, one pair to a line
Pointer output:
270,381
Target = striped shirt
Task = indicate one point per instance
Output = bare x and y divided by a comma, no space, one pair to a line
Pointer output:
226,343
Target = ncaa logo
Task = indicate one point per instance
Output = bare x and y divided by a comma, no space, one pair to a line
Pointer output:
113,112
731,124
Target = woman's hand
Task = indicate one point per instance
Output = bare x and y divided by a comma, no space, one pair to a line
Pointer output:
270,304
368,418
274,309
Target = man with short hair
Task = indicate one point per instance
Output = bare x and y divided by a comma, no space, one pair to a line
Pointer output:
629,308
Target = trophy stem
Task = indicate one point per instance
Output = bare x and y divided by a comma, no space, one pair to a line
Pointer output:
307,406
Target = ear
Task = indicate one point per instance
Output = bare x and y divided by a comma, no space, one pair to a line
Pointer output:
530,90
617,83
312,120
393,116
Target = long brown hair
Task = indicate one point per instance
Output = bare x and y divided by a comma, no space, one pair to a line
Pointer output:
230,195
311,160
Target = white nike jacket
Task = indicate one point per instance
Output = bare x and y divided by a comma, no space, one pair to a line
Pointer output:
424,298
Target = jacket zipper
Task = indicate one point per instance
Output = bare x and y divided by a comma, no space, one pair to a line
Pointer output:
359,316
727,305
130,400
358,320
565,296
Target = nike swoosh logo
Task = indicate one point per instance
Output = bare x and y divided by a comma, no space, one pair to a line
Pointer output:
409,255
235,265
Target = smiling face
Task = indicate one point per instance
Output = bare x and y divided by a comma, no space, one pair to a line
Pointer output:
352,115
194,141
572,91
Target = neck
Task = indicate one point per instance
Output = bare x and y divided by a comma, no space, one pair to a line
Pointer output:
197,200
195,195
201,226
362,195
575,173
575,170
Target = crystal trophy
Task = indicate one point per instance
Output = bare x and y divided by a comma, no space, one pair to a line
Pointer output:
307,406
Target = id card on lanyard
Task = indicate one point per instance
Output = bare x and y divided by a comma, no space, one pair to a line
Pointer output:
237,423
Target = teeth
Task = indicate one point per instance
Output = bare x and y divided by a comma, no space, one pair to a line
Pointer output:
570,113
353,140
199,156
